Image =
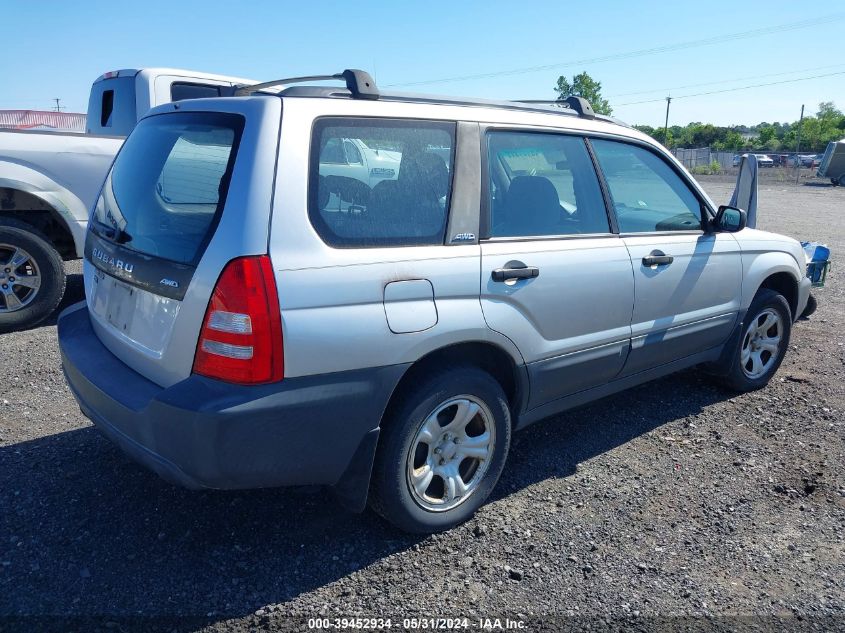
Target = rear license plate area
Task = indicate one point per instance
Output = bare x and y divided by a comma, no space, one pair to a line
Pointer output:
116,300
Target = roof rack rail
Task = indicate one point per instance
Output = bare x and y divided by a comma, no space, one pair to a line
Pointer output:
580,105
358,82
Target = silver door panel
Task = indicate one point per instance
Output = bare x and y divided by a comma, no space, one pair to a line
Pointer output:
581,299
572,321
687,306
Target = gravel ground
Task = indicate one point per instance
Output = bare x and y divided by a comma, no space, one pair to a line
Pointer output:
672,499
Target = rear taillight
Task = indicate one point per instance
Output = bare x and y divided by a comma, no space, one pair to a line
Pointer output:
241,336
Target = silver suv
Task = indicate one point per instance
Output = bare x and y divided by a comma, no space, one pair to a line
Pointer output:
369,291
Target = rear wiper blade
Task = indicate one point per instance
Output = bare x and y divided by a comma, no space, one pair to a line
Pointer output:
113,233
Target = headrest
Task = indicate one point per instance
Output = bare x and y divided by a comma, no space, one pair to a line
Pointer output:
427,170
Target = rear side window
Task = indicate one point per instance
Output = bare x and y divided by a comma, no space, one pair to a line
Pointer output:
648,195
168,185
179,91
380,182
543,184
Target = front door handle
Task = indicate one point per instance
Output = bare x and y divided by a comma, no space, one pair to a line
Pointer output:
515,270
657,258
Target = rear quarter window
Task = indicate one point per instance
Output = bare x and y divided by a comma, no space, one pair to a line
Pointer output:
380,182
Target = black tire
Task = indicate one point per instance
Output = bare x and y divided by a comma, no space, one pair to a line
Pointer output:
812,304
842,180
50,267
737,377
390,490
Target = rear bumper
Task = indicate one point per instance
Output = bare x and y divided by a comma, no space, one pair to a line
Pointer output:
203,433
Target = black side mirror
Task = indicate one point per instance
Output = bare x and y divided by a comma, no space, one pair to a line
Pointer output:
730,219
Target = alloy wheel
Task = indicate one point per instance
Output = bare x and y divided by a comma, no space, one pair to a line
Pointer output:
20,278
761,343
450,454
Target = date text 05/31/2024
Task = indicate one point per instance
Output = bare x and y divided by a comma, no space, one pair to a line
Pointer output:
432,624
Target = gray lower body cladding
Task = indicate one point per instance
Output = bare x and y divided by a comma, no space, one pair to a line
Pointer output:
203,433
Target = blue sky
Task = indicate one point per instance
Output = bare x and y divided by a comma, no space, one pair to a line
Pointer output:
56,49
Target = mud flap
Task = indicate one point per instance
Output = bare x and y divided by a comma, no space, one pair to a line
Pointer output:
354,485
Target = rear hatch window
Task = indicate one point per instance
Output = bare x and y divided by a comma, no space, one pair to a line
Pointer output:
164,195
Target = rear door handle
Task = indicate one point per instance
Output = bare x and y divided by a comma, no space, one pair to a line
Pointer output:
657,258
515,270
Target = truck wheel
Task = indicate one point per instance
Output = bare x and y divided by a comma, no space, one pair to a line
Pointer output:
762,344
842,180
441,451
32,276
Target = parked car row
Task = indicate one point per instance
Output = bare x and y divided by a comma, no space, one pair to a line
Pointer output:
782,160
763,160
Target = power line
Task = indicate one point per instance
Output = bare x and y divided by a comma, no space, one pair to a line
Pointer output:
714,92
791,26
724,81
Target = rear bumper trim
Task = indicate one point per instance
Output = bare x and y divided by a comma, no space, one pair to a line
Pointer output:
204,433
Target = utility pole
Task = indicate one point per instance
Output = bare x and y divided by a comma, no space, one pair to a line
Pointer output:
798,147
666,125
58,107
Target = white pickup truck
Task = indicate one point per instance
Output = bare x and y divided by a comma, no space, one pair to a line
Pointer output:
50,180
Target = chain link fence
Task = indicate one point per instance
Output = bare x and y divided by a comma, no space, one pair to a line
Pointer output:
703,157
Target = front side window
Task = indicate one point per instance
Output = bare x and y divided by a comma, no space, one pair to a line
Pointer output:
380,182
541,185
648,195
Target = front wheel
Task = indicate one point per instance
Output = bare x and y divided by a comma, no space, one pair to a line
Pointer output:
32,276
763,342
441,451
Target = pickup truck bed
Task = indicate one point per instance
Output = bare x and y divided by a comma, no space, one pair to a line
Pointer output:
63,170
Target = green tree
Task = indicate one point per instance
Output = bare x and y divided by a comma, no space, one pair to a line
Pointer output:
732,141
816,132
767,135
645,129
583,86
668,141
829,111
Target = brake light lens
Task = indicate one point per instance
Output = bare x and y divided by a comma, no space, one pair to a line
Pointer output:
241,336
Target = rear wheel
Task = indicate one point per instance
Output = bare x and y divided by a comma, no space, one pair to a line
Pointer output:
762,344
32,277
441,451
